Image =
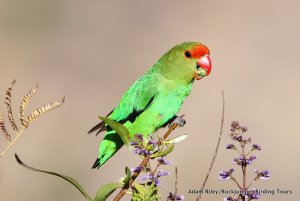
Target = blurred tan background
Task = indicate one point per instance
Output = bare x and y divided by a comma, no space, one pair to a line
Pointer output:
92,51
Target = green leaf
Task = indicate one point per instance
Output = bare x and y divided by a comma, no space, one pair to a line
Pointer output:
140,189
105,191
69,179
119,128
128,176
145,192
176,139
164,152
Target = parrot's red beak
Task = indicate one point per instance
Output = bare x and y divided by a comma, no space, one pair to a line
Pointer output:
203,67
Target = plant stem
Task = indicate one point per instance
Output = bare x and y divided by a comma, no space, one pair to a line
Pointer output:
239,151
176,180
10,144
216,150
158,164
244,178
244,167
251,183
248,153
235,181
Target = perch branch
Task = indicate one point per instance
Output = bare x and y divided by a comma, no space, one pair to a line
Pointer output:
143,164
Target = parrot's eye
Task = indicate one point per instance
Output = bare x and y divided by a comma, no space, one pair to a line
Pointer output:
187,54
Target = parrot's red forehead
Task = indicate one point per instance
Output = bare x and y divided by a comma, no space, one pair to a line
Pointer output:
199,51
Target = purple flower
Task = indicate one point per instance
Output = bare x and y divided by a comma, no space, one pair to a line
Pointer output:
133,143
228,199
251,159
225,175
230,146
263,175
256,147
235,125
231,199
151,142
136,169
162,173
240,161
147,176
238,138
142,146
164,162
150,177
244,129
247,141
172,197
157,183
253,195
140,151
243,161
180,197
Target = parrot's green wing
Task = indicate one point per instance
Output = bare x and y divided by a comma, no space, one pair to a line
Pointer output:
135,101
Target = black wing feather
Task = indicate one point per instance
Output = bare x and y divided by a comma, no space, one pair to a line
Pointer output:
131,117
101,126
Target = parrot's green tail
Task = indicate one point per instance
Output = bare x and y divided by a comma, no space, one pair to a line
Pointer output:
108,147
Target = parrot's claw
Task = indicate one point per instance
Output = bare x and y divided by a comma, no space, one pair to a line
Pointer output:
178,121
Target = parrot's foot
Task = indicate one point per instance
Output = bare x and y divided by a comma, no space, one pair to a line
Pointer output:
179,121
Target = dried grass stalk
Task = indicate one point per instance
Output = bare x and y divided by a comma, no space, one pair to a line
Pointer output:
8,104
46,108
24,103
3,128
25,121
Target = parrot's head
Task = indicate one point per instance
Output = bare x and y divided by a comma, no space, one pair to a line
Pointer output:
187,61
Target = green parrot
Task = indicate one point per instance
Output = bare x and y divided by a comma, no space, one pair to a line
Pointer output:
155,98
